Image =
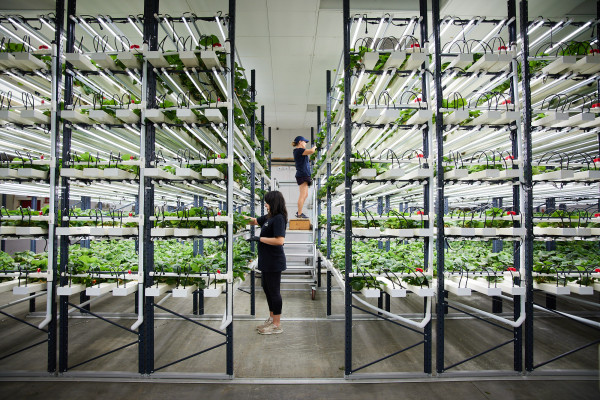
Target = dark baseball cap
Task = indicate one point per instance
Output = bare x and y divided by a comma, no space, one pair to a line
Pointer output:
301,138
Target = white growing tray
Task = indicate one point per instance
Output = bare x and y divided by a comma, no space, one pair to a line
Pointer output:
70,290
155,291
100,289
184,292
126,290
30,288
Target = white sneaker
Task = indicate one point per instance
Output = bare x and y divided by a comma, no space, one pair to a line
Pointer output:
267,322
270,329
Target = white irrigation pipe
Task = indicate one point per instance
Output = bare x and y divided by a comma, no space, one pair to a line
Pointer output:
514,324
420,325
574,317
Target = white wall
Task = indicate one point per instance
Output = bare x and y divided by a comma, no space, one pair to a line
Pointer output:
281,141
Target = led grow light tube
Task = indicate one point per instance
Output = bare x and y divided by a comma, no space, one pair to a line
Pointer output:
111,31
86,27
28,83
165,73
220,28
465,30
493,32
190,31
43,21
448,25
550,31
194,82
355,33
16,37
570,36
413,21
135,26
31,33
220,82
171,131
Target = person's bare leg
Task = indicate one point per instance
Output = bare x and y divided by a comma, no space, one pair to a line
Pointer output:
302,197
276,320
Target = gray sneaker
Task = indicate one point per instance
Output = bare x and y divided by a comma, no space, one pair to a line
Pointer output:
301,215
267,322
270,329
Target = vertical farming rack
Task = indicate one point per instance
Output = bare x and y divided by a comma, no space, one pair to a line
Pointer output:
475,150
153,111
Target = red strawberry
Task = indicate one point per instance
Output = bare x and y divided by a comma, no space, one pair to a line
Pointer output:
43,47
43,101
415,45
597,270
94,282
419,269
597,215
42,157
511,213
512,269
131,214
217,45
597,159
39,270
506,102
420,213
129,272
131,157
134,46
420,155
595,105
509,157
218,271
592,51
41,213
502,48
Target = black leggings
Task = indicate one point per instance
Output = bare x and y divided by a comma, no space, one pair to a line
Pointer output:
271,281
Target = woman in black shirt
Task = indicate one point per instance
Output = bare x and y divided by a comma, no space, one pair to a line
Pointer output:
271,258
303,179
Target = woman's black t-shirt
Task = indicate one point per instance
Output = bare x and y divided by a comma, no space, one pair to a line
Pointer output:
302,164
271,258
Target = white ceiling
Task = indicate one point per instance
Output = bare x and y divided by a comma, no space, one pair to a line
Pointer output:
291,43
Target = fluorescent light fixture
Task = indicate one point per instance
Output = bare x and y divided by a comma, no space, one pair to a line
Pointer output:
135,26
194,82
16,37
190,31
571,35
221,29
356,31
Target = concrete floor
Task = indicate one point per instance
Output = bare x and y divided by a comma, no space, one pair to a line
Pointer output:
311,346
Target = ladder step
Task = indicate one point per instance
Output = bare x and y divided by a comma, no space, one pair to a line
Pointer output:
307,255
307,281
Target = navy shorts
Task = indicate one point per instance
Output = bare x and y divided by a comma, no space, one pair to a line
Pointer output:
303,179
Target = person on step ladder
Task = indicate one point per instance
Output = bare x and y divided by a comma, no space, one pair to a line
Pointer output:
301,157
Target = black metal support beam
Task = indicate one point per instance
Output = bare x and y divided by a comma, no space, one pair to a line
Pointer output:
348,188
231,38
262,153
63,347
146,330
253,189
328,145
527,185
440,186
